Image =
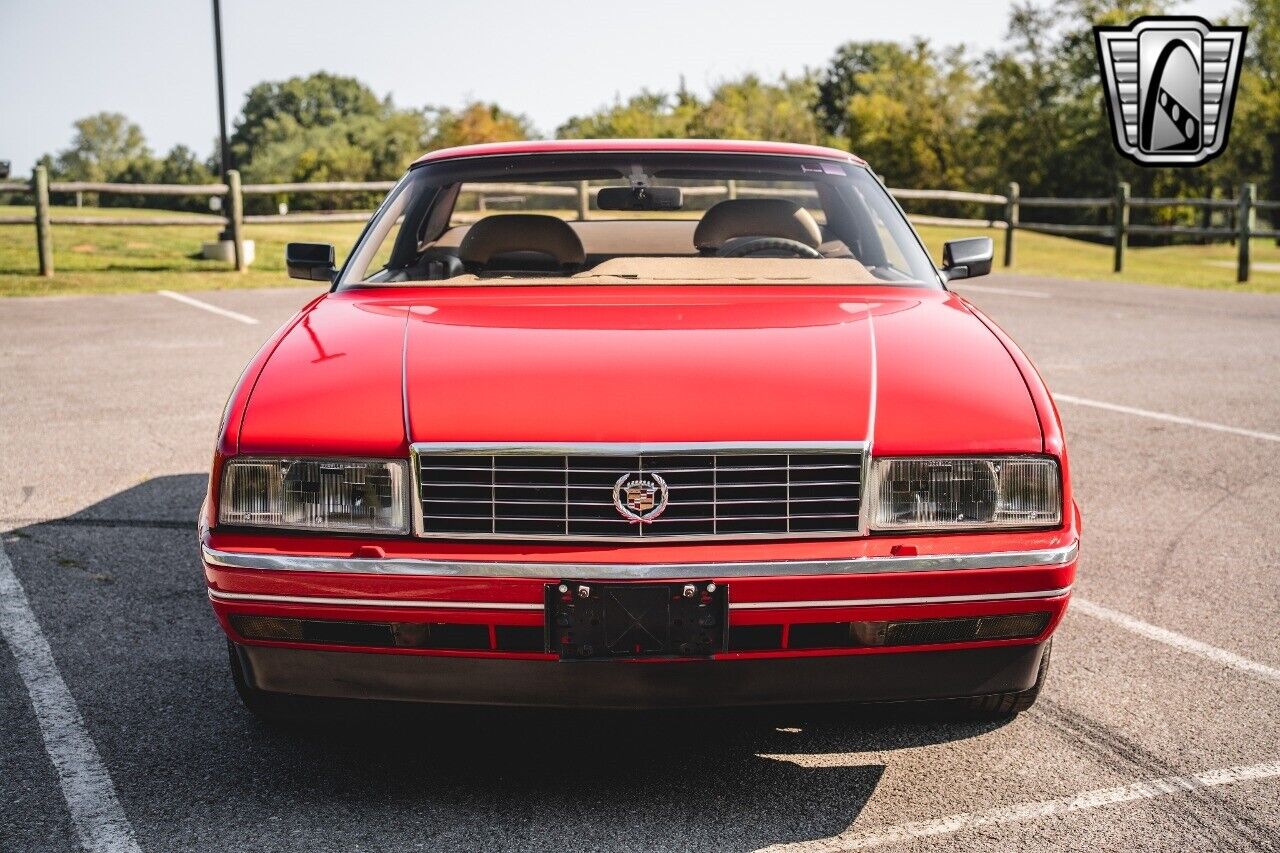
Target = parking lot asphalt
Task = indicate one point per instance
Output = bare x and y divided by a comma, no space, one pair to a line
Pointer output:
1159,728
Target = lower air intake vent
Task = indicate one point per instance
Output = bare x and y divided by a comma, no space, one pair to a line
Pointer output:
754,638
403,635
520,638
921,632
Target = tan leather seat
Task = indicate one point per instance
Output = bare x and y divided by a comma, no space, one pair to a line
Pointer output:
512,234
755,217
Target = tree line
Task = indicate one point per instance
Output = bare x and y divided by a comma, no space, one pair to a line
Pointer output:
924,116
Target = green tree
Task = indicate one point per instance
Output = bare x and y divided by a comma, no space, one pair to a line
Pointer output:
358,149
1031,111
182,166
909,109
475,123
844,77
179,166
323,128
743,108
1258,103
750,108
1042,116
318,100
104,145
648,115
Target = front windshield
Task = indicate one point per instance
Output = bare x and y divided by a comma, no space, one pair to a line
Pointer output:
634,217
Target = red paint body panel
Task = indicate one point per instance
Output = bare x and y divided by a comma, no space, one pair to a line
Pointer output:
1055,442
332,385
642,364
1056,606
946,384
638,365
233,413
587,146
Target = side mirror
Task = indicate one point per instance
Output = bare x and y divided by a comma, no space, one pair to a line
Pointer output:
312,261
967,258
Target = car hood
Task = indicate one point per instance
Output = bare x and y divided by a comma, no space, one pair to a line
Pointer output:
912,370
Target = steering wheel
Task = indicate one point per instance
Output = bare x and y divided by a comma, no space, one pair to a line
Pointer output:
767,247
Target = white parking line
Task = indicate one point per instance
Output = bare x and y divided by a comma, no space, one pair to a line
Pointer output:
99,820
1161,416
1005,291
1021,812
1178,641
214,309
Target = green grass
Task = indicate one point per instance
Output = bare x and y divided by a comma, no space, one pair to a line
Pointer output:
1208,266
114,259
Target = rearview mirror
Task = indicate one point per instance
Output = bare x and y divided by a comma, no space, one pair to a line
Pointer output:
310,261
967,258
640,198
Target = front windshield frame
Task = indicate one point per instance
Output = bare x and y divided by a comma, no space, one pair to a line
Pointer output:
422,184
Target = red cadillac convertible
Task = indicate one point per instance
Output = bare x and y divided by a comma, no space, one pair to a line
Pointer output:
632,424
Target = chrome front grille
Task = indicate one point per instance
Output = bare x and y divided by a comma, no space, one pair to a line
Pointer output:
563,492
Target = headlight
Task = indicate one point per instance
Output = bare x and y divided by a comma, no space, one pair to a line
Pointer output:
366,495
957,493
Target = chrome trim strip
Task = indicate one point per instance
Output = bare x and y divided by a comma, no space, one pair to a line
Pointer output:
864,473
873,602
639,571
705,538
572,448
874,365
216,595
404,384
493,448
750,605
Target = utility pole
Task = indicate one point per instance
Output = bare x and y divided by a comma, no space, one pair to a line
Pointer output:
222,96
224,152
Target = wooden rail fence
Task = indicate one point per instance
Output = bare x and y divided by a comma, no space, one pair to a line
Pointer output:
1008,214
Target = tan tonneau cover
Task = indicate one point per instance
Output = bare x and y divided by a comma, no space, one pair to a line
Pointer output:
826,270
688,271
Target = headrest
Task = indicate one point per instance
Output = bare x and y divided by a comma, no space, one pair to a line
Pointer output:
520,232
755,217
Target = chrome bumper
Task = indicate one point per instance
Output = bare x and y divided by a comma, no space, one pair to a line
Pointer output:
1060,556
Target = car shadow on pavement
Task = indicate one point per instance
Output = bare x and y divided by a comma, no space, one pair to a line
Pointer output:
707,779
118,590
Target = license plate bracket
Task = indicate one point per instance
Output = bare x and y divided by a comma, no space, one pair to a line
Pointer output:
587,620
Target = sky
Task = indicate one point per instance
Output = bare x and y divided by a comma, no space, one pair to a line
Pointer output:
550,59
